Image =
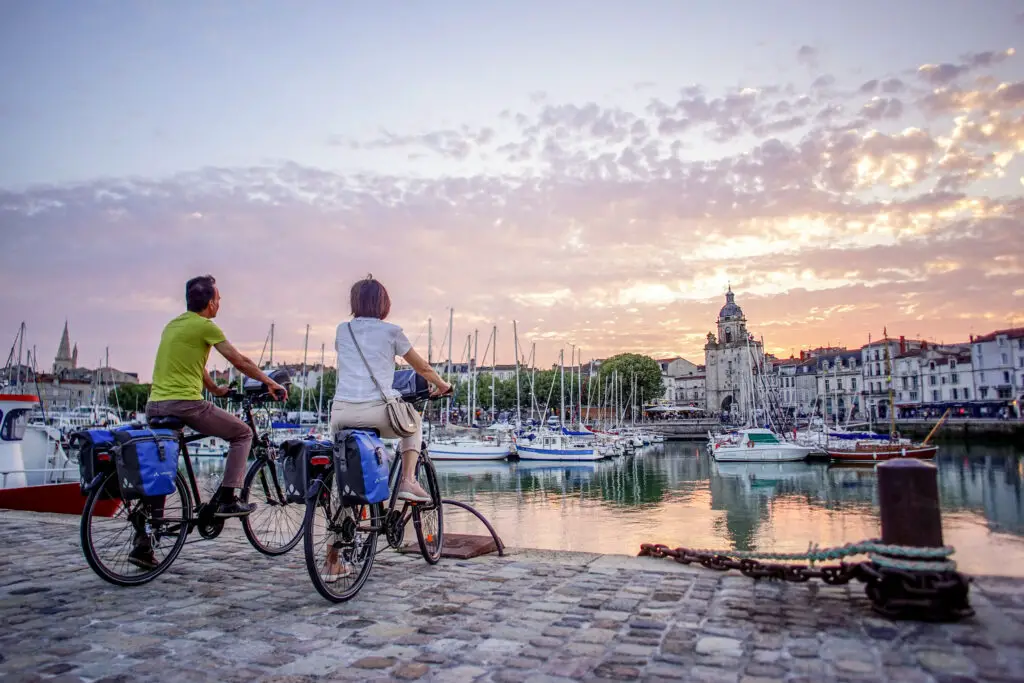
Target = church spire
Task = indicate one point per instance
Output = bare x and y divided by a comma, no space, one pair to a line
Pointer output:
64,348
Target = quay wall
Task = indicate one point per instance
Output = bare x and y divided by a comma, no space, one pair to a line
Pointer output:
962,429
953,430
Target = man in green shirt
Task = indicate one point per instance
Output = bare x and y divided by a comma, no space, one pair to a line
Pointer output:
179,376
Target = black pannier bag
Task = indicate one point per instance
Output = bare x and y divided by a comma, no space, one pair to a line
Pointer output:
301,462
94,449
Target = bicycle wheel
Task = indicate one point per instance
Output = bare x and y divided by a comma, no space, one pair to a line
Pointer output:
109,539
340,542
428,518
275,526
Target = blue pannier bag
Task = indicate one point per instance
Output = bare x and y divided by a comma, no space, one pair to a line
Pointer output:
301,461
361,467
94,450
147,461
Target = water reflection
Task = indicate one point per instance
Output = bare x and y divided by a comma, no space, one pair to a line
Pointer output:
676,494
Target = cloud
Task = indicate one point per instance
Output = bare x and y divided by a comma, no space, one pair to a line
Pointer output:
946,73
586,222
882,108
807,55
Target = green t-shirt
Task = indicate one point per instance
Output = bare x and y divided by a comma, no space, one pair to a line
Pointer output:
181,359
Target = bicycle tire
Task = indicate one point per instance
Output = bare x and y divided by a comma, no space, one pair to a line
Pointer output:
431,542
255,539
368,550
89,548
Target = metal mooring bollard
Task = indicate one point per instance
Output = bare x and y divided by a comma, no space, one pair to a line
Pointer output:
908,585
908,500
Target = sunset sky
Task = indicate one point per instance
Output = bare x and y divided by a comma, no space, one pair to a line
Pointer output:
598,171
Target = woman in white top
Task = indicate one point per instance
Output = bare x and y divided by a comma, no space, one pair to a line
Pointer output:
357,401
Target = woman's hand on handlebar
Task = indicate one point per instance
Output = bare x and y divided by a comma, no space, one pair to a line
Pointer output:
443,389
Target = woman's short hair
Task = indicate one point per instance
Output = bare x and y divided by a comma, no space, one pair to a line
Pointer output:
370,299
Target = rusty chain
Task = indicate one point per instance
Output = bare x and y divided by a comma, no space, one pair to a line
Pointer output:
897,593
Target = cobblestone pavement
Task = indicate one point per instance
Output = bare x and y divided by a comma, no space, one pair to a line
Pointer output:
226,613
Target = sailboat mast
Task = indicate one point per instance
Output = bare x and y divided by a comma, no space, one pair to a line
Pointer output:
448,401
515,340
533,378
473,366
270,363
888,381
494,367
579,386
561,387
305,375
21,339
430,342
323,374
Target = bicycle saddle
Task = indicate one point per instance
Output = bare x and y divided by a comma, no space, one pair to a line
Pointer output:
168,422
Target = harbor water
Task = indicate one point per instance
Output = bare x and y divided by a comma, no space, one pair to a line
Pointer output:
676,494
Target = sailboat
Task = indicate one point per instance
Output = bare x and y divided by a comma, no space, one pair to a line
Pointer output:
753,443
556,443
468,444
878,450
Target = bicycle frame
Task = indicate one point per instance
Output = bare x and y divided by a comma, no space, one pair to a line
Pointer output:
193,483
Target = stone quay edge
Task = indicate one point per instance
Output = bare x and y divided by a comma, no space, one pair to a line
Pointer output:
223,612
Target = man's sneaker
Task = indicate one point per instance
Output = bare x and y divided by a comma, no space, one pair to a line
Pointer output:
142,557
234,508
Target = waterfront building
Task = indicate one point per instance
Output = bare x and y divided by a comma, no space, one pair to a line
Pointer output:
876,357
797,385
998,365
840,381
730,360
683,381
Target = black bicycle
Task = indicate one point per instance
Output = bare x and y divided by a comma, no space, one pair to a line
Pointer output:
112,526
340,541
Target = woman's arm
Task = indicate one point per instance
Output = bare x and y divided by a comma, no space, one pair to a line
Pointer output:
423,368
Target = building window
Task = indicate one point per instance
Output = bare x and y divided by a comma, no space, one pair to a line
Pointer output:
853,382
955,394
935,395
952,364
826,385
1003,356
982,377
905,382
931,380
1006,376
839,384
967,394
954,378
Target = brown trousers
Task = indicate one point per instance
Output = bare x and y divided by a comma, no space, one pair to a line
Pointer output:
206,418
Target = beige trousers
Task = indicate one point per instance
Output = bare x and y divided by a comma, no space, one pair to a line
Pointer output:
345,415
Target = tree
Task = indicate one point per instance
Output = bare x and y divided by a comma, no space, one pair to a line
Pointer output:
130,397
626,367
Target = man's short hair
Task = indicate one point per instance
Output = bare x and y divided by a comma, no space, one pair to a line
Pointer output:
369,299
199,293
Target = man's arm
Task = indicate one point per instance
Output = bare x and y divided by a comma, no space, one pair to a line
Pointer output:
247,367
212,386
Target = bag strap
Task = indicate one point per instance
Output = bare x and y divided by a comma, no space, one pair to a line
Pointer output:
368,369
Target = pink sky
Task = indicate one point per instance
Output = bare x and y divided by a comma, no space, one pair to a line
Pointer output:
837,199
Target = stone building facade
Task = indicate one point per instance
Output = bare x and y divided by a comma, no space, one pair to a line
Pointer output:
731,359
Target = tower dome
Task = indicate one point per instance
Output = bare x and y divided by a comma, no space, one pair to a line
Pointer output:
730,310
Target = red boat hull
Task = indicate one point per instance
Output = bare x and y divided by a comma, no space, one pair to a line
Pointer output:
65,499
870,454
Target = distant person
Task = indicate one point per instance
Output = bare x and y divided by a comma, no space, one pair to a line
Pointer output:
179,376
